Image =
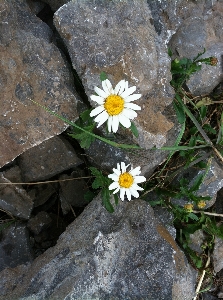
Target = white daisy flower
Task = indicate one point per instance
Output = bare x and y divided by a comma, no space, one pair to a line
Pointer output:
126,182
115,105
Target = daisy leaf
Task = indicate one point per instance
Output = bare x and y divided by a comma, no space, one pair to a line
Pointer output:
106,200
134,130
103,76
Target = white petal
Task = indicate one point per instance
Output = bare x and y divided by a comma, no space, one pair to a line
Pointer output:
138,179
118,167
134,192
110,119
132,106
107,87
114,177
128,194
126,85
128,92
132,97
129,113
122,193
100,119
97,99
136,187
97,111
118,172
100,92
123,167
115,123
113,186
135,171
124,121
120,87
116,190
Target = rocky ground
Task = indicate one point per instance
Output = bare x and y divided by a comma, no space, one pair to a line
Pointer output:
54,244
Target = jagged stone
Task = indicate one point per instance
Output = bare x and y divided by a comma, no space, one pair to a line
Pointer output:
110,36
124,255
14,199
31,68
38,163
14,246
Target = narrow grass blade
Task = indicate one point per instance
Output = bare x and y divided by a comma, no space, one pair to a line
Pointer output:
175,145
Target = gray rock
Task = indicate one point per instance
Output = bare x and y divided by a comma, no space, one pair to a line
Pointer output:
14,246
40,222
198,31
196,241
118,38
166,218
41,193
38,163
124,255
217,255
14,199
56,4
35,6
105,156
211,184
219,202
72,192
13,174
31,68
208,296
204,81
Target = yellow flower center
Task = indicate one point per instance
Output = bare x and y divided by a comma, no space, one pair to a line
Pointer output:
188,207
201,204
114,105
125,180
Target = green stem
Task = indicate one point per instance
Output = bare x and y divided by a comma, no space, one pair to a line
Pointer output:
124,146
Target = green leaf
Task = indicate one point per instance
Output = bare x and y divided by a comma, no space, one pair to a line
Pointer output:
103,76
85,115
170,53
134,130
116,199
89,196
203,111
105,194
192,216
84,138
179,112
208,128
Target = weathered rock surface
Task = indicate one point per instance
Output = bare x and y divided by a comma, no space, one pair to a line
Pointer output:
124,255
14,246
72,192
118,38
48,159
38,223
212,183
31,68
14,199
204,81
201,28
217,255
35,6
56,4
